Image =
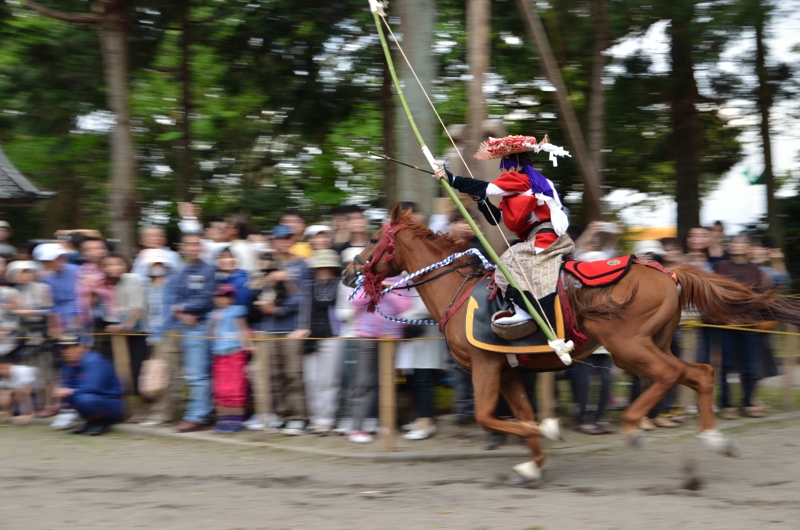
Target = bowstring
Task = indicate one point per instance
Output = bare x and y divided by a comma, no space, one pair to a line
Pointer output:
460,156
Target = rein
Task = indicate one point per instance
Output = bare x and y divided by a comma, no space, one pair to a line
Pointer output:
402,283
373,281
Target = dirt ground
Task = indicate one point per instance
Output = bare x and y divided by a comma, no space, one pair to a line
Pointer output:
52,480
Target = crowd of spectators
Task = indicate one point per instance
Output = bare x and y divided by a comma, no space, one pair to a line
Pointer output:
71,305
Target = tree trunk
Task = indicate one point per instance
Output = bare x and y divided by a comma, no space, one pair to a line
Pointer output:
596,115
417,19
685,123
764,107
478,53
388,108
583,159
122,201
184,180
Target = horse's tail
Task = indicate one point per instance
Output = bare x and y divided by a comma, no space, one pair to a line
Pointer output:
719,299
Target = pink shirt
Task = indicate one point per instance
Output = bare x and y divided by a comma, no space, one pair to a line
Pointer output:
373,325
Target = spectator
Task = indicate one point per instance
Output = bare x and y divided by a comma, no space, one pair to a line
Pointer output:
345,315
90,386
598,241
6,250
124,314
297,223
237,233
229,274
155,237
93,294
17,384
371,326
216,234
341,231
158,321
317,320
740,349
191,298
716,243
357,229
770,260
673,252
230,349
695,247
62,278
597,364
320,237
280,309
33,306
421,360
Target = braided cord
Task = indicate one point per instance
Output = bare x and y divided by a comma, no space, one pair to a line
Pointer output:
398,284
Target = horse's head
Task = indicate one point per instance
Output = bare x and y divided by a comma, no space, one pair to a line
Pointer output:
378,258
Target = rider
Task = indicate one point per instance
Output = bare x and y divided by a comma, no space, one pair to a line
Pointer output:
530,208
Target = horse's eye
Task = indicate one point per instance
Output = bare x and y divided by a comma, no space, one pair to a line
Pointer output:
373,241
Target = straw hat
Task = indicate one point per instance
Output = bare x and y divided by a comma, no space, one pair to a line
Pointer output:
324,259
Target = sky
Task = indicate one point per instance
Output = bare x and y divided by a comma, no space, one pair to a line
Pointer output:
734,202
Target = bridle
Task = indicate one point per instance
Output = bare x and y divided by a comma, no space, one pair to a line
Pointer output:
372,282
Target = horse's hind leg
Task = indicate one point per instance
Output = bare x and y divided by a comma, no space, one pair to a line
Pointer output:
644,359
700,378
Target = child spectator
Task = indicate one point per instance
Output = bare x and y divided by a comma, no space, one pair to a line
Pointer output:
372,326
32,305
228,273
90,386
229,348
16,387
321,364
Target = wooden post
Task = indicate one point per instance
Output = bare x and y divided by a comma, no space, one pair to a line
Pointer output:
388,406
545,388
122,361
262,384
789,364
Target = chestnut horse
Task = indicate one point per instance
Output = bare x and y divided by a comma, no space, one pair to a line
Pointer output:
634,319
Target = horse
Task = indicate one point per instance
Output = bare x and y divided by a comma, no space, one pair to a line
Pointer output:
635,319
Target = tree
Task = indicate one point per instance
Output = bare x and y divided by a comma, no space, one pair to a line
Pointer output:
112,18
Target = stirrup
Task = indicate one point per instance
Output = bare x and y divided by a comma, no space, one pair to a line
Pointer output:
514,331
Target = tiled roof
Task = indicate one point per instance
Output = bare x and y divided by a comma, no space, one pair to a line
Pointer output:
14,186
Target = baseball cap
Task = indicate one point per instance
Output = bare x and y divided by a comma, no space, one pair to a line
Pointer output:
69,340
225,290
313,230
648,247
281,232
48,252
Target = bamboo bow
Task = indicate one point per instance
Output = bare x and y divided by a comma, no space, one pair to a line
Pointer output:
561,347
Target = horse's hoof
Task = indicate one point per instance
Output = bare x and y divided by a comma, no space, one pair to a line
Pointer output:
719,443
527,471
635,438
550,428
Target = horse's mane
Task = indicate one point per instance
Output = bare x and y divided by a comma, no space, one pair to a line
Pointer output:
444,242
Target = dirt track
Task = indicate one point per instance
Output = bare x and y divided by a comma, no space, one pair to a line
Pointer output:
53,481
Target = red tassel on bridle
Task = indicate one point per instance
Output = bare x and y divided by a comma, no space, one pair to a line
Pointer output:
373,282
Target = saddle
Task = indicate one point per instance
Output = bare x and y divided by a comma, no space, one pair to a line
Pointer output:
487,299
599,273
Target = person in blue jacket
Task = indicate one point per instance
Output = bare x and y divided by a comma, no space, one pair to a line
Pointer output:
89,385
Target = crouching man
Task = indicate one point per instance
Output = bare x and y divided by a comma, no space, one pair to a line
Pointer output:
90,386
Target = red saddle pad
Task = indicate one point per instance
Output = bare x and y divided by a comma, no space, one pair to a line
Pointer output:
599,273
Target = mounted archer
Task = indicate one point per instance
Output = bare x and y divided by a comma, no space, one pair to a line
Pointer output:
531,209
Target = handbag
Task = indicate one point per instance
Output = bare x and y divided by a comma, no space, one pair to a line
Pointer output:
154,378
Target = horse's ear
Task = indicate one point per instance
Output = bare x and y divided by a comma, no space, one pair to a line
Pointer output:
396,213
